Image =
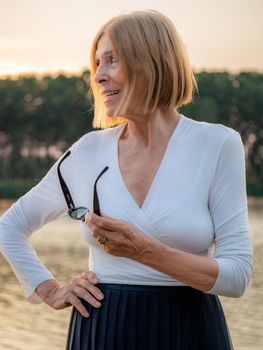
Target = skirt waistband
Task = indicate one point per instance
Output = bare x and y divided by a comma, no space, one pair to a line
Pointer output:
147,288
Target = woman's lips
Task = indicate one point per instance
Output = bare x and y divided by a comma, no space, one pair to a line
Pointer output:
110,98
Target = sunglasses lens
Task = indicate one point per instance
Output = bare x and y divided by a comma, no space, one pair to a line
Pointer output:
78,213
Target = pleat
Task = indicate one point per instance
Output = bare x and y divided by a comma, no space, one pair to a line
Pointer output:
112,326
215,319
214,324
84,325
72,326
85,331
120,336
186,324
76,345
175,321
142,320
190,331
93,329
104,318
163,328
222,329
151,329
223,322
199,324
130,322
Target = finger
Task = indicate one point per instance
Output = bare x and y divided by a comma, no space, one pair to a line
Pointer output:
92,289
98,233
73,300
97,230
86,217
105,222
90,276
84,294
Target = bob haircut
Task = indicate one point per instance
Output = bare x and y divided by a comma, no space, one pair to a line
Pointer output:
148,40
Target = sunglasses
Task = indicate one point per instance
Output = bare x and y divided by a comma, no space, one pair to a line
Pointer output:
78,213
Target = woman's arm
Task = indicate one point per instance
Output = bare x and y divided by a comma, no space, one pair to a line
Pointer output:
126,241
195,271
42,204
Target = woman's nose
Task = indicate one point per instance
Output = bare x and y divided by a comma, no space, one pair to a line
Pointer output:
101,75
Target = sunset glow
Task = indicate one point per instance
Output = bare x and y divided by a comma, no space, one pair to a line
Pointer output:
51,36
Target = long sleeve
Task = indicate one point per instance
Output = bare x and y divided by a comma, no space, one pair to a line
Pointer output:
228,208
42,204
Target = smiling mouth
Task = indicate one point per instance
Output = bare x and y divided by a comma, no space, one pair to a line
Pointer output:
110,93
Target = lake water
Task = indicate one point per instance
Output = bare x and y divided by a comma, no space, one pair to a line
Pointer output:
62,248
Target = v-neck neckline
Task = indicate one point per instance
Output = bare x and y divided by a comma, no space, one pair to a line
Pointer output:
174,134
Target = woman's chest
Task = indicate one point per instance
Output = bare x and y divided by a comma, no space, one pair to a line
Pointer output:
174,206
138,176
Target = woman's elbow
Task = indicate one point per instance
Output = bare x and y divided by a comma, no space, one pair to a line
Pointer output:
233,277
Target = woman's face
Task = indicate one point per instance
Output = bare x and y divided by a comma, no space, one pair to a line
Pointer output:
111,79
109,75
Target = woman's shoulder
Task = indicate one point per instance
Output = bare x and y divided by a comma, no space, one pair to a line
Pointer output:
96,138
211,132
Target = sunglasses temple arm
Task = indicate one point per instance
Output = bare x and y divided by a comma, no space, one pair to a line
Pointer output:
96,205
63,185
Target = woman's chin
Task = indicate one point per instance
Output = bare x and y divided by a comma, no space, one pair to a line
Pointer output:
110,112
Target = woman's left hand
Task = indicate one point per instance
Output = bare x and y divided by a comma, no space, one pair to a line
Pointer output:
122,238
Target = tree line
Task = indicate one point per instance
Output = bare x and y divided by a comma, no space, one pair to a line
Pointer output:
41,117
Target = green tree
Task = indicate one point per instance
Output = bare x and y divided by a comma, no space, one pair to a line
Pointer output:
41,117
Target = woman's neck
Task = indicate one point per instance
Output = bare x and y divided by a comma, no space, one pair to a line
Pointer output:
148,130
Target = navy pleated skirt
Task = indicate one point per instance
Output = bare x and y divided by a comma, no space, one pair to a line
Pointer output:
150,318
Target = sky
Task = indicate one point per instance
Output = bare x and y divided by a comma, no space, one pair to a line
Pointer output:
49,36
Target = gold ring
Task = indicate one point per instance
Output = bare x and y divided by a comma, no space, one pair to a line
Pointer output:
102,240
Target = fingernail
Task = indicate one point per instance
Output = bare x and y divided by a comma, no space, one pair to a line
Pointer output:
98,303
100,296
95,280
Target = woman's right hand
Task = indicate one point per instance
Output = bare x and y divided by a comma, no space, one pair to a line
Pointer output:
82,287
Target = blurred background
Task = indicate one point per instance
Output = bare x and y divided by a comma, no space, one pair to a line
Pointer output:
44,108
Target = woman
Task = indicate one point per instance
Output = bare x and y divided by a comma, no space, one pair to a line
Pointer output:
173,231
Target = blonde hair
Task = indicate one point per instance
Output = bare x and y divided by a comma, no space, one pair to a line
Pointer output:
149,40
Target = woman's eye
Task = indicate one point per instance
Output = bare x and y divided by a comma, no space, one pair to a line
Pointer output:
113,60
